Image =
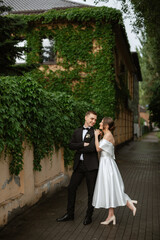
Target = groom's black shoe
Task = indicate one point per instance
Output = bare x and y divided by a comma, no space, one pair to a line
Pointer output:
65,218
87,220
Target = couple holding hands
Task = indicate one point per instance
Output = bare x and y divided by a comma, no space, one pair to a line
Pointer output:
104,182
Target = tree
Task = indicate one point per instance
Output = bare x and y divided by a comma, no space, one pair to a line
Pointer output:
154,105
147,22
9,29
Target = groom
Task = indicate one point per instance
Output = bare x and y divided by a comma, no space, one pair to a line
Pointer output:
85,165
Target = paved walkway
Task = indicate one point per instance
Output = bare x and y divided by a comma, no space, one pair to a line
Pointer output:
139,163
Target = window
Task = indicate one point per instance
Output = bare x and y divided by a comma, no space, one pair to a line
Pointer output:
22,58
48,51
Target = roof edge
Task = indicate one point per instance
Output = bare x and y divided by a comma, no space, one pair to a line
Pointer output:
43,11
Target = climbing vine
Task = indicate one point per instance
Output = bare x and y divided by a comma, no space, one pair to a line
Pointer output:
29,112
88,75
44,107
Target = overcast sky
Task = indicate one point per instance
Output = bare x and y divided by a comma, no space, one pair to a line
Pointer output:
133,40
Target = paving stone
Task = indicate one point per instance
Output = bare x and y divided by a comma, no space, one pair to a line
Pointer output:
139,164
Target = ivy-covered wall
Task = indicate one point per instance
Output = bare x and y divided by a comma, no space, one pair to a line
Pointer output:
44,107
86,51
84,45
86,74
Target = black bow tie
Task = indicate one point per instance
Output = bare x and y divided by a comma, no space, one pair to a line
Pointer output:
85,128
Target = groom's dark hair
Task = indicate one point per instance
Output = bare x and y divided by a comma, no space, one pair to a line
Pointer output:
89,112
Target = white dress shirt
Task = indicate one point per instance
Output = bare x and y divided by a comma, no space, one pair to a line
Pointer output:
84,132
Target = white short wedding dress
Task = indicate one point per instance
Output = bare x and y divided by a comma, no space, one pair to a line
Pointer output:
109,188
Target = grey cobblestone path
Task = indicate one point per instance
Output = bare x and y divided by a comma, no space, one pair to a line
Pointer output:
139,164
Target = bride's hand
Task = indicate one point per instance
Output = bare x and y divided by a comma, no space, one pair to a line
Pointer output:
97,132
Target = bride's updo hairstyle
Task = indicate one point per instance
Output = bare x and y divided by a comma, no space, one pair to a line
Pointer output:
110,122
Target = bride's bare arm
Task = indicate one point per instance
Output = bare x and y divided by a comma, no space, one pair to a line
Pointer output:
97,133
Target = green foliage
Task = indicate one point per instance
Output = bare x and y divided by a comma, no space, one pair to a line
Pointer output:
51,104
147,22
87,75
82,15
150,88
147,15
8,40
3,8
150,56
154,105
44,119
34,47
158,135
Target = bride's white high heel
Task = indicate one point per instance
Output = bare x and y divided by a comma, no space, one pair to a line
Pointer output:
134,209
134,201
113,218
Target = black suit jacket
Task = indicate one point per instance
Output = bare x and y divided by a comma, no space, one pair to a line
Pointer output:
90,154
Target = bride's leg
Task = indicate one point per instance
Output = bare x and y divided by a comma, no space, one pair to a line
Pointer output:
110,218
110,213
131,206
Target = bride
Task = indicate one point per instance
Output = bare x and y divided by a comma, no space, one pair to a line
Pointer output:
109,188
